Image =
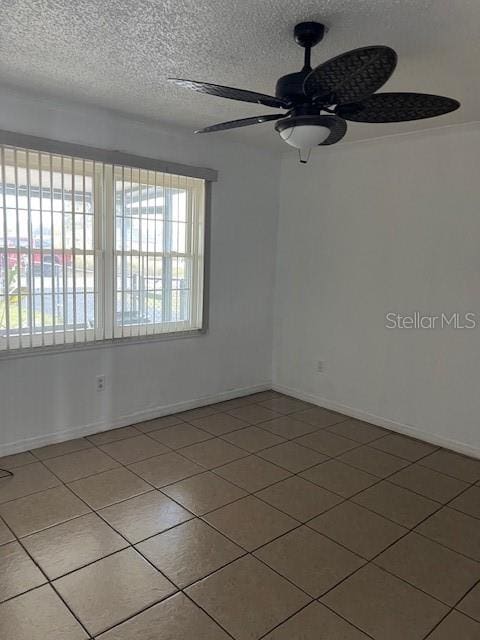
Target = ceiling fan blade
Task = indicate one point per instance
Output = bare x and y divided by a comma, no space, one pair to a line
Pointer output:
231,93
338,128
351,76
244,122
397,107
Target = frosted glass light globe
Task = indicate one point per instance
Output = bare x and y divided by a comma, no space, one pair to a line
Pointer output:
305,136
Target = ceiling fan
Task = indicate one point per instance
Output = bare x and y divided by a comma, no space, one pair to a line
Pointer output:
320,100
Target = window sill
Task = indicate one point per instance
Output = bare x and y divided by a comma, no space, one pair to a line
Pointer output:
99,344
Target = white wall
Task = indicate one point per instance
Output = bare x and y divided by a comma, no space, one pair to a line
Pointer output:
365,228
386,225
45,398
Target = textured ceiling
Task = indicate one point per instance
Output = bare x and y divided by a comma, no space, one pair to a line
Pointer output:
118,53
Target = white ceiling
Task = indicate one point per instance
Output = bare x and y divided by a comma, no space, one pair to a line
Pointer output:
118,53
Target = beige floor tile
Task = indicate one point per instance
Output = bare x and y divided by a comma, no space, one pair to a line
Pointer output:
404,447
177,618
144,515
310,560
471,603
80,464
226,405
61,448
287,427
428,482
320,417
38,615
252,439
179,435
16,460
157,423
134,449
198,412
252,473
362,432
247,598
27,480
203,493
18,572
453,464
113,435
285,405
250,522
269,394
454,530
384,606
358,529
468,502
292,456
396,503
5,534
109,487
313,620
442,573
73,544
111,590
166,469
219,424
339,478
378,463
212,453
299,498
41,510
189,552
457,626
253,413
327,443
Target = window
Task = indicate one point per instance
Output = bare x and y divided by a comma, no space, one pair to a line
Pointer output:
95,251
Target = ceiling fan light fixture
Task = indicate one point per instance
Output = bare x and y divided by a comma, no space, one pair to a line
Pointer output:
305,136
305,132
345,87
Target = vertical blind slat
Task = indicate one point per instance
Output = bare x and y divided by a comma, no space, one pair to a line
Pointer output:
6,257
95,251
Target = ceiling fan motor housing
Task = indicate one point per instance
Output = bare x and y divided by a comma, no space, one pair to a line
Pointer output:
290,87
320,101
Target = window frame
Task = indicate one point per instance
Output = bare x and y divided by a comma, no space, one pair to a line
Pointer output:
130,161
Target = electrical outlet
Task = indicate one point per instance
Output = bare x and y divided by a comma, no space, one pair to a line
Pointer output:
100,382
320,366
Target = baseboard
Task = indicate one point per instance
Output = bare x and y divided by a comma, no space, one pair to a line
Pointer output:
392,425
122,421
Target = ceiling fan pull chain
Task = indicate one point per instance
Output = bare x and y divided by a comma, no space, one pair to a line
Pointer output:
304,155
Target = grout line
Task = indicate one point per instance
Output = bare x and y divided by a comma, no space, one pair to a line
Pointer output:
248,493
149,562
367,635
49,582
30,589
444,473
371,561
130,545
453,608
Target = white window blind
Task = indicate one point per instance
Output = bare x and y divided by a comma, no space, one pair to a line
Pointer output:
96,251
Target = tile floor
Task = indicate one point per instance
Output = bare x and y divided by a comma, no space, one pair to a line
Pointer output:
259,517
